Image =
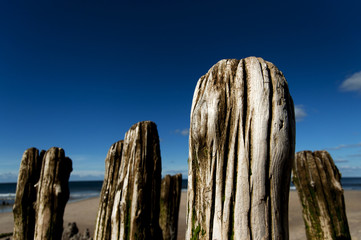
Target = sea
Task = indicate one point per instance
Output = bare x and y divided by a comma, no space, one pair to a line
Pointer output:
80,190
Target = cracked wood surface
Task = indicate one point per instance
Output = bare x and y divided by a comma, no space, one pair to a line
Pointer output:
112,165
317,181
129,205
241,150
52,194
25,198
41,195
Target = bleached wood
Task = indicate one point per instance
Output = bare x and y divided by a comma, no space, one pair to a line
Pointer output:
317,181
241,149
107,195
135,213
52,194
25,199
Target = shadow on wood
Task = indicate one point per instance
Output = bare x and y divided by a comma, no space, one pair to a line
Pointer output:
134,201
170,194
317,181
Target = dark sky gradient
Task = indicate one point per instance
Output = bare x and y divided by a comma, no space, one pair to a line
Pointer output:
78,74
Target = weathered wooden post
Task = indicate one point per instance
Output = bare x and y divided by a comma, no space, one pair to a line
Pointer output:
112,164
241,150
52,194
317,181
24,211
170,194
135,213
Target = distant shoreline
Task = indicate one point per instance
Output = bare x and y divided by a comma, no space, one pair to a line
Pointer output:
84,213
82,190
184,179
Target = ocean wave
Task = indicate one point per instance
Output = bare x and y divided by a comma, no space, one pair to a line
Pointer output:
82,195
73,196
7,196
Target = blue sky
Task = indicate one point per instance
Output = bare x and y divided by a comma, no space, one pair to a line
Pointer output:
78,74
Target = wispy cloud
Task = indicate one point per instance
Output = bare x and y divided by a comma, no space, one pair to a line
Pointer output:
183,132
342,146
87,175
79,157
300,112
9,177
347,167
340,161
349,170
356,155
352,84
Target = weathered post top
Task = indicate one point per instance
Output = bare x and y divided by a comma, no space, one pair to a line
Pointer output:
41,195
52,194
25,199
112,165
129,207
241,150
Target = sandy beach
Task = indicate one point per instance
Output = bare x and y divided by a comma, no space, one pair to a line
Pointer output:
84,214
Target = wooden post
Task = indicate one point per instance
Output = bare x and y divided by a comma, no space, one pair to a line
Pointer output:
171,188
112,164
241,150
24,212
52,194
135,213
317,181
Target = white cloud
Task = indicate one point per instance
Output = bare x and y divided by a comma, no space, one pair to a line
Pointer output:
347,167
340,161
79,157
349,171
342,146
9,177
87,175
356,155
352,83
183,132
300,113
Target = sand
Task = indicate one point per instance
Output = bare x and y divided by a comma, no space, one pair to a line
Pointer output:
84,214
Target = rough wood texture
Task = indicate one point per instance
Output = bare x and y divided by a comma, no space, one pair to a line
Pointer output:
24,211
241,150
135,212
112,164
52,194
317,181
170,194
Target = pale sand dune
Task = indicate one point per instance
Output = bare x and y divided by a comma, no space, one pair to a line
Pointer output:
84,214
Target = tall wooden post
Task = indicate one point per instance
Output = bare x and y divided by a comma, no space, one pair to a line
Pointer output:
112,164
317,181
170,194
25,199
52,194
241,150
134,201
